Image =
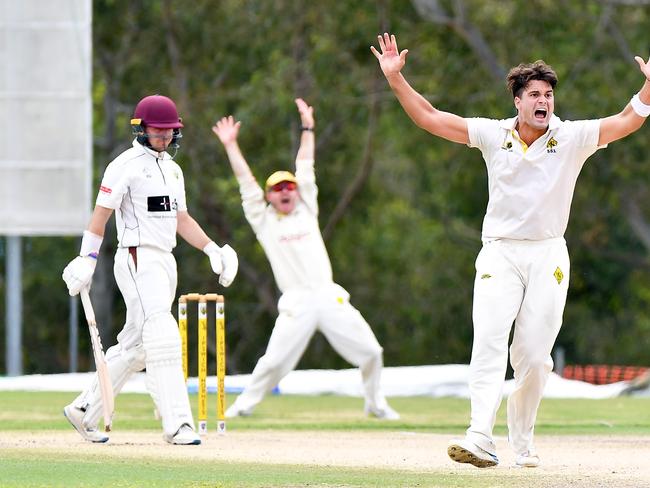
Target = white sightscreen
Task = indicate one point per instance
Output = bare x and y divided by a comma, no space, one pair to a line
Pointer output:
45,116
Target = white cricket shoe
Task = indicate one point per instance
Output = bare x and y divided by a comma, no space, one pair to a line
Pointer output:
234,411
184,436
528,459
75,416
465,451
385,413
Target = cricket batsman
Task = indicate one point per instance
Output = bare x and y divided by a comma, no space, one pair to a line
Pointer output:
146,189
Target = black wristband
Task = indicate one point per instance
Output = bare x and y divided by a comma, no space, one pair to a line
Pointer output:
310,129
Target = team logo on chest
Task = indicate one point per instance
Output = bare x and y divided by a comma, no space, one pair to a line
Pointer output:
550,145
160,203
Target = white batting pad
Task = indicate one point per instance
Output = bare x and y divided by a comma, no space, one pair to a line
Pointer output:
165,381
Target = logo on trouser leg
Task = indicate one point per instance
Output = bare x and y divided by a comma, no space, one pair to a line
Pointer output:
559,276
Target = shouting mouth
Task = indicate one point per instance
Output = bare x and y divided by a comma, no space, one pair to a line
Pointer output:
540,114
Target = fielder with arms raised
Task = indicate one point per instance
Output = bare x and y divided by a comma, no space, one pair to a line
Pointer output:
522,271
146,188
287,228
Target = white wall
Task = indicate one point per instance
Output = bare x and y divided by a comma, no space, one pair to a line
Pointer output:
45,116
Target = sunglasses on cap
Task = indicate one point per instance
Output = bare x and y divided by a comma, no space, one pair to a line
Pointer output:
283,185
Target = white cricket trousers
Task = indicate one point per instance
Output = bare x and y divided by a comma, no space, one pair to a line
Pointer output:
301,313
149,338
524,282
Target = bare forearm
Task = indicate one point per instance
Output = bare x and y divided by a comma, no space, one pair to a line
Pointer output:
100,216
439,123
414,104
191,231
626,122
307,145
237,161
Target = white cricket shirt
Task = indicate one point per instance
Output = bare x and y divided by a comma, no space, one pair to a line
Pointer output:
293,243
531,188
146,189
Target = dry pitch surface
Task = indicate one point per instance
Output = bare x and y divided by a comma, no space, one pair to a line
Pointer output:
576,461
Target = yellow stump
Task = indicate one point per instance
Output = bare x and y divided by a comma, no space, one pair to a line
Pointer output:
182,327
221,365
220,329
203,365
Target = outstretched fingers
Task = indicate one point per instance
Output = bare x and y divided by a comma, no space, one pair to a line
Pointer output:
387,45
643,66
302,105
306,112
382,44
226,128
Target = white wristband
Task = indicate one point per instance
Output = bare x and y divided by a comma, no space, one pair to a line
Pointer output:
641,109
90,244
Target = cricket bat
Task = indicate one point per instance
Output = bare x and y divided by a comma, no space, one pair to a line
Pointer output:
105,385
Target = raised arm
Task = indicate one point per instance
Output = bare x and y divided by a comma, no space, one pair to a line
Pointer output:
307,138
227,131
633,115
442,124
252,195
305,157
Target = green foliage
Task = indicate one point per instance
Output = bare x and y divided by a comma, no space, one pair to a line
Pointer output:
406,243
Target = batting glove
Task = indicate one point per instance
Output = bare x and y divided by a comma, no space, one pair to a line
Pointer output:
79,273
224,262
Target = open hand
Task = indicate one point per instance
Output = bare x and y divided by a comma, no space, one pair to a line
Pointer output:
643,66
306,113
227,129
390,59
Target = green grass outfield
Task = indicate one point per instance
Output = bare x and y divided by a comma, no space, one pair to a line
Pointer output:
31,411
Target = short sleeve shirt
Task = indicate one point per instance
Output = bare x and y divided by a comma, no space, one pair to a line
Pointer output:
146,189
531,188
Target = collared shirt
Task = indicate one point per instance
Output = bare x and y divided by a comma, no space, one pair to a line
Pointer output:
531,187
293,243
146,189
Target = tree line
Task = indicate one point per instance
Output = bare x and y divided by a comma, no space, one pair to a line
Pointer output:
401,211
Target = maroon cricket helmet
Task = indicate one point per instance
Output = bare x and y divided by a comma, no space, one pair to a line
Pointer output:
157,111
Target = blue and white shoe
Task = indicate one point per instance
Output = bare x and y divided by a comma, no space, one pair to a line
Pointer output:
184,436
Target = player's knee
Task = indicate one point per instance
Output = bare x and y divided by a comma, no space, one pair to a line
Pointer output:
537,366
131,358
135,358
371,358
374,353
268,364
160,338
